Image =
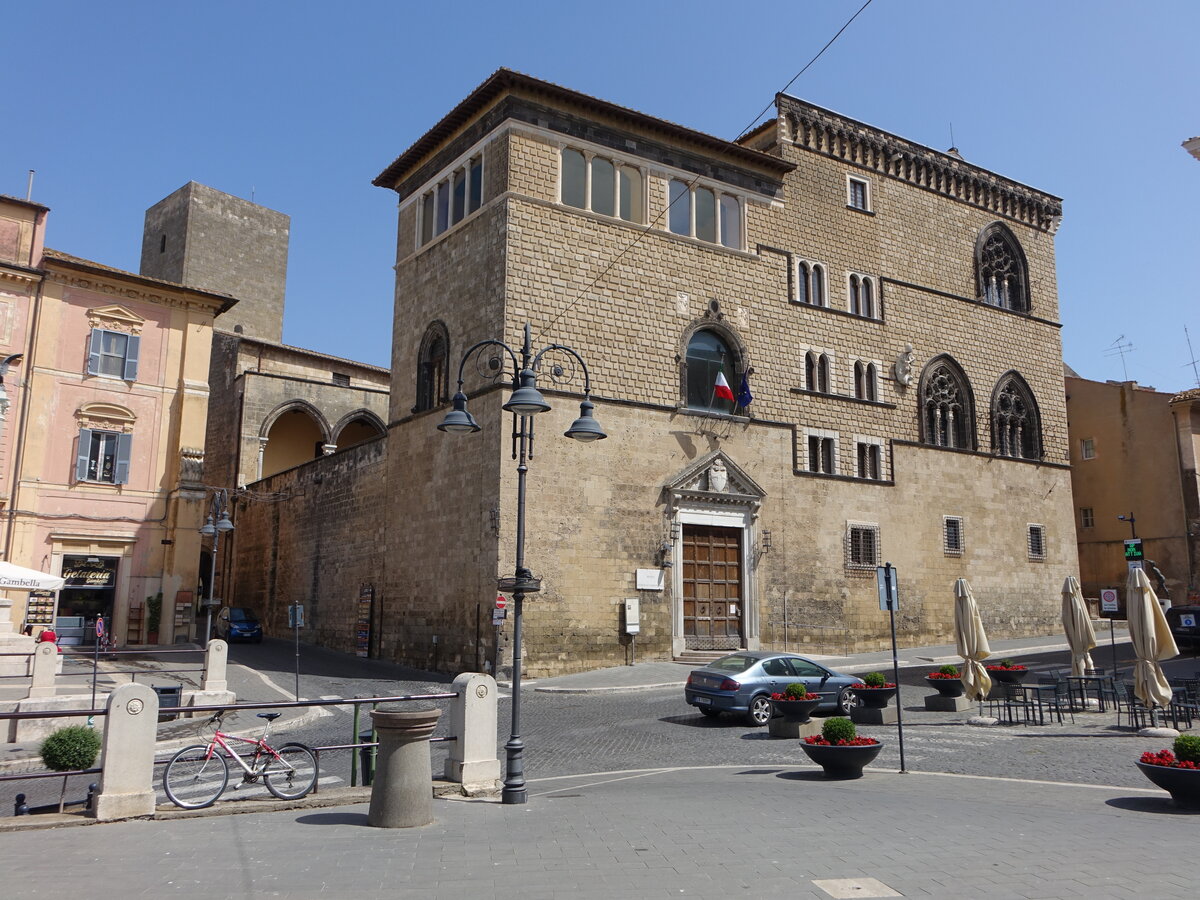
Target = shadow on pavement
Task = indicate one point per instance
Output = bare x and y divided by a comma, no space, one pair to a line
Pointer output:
802,776
1156,805
338,818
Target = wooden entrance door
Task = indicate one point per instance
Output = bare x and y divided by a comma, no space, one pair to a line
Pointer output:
712,587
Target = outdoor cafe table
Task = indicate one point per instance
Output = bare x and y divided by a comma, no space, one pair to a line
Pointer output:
1035,712
1079,687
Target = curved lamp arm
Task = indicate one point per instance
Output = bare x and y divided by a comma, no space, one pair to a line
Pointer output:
587,380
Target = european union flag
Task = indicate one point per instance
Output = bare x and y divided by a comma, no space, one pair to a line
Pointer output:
744,397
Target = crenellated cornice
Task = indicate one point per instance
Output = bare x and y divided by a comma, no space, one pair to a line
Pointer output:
821,131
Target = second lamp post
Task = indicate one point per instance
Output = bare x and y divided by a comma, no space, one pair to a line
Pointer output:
218,523
526,402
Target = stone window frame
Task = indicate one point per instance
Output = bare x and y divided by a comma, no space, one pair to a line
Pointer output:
819,370
953,539
852,195
862,296
639,205
739,362
967,403
720,194
874,460
1030,437
812,281
470,172
857,542
433,391
1035,541
1013,293
825,439
866,378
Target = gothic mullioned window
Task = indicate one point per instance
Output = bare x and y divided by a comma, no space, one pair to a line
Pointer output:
810,283
1001,272
433,368
1015,427
947,412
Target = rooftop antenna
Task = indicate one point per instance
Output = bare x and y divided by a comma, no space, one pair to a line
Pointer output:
1120,347
952,144
251,193
29,186
1192,361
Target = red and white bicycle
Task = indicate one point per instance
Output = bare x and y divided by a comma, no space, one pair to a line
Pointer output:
196,776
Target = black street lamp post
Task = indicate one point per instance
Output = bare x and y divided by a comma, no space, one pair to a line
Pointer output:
526,402
1132,524
218,523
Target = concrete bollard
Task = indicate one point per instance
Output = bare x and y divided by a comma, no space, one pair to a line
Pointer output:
402,793
42,668
127,756
215,659
473,762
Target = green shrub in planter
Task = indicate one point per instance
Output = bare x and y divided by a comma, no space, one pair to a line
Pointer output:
874,680
1187,748
70,749
796,691
949,670
838,728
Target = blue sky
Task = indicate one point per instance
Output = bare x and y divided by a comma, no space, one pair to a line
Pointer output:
301,103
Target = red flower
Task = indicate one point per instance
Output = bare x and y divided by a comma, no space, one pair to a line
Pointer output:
860,686
779,696
853,742
1006,668
1167,758
942,675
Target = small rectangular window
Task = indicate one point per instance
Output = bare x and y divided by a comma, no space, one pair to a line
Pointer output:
1037,542
821,457
1087,517
103,456
1087,448
869,461
857,194
862,546
952,535
341,379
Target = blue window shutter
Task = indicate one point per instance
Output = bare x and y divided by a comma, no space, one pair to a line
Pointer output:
124,446
94,352
131,357
85,451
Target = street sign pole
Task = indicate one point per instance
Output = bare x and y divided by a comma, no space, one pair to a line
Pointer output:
889,598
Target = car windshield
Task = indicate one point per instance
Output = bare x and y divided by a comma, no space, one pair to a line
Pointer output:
733,663
242,615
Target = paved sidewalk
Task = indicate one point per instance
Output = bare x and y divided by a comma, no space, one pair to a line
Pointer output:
650,675
689,832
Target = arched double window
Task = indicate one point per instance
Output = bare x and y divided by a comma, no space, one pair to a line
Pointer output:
865,381
1016,430
862,296
1001,273
810,283
709,364
947,410
816,371
433,368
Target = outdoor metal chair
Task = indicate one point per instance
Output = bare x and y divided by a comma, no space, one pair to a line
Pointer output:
1139,715
1016,700
1110,692
1058,701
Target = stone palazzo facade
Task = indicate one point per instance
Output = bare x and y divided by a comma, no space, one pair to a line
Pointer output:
891,309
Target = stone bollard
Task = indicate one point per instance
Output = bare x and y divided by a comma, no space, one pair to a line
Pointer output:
43,665
473,762
402,793
127,757
215,659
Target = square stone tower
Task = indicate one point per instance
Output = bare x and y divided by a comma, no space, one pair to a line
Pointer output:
211,240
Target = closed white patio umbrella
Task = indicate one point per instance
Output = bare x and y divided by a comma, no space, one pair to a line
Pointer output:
1151,639
1078,626
972,642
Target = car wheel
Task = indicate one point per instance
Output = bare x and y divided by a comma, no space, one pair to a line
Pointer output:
847,700
709,713
759,712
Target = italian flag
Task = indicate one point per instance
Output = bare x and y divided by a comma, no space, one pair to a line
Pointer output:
722,388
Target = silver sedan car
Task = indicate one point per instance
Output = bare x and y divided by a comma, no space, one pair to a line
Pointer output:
744,682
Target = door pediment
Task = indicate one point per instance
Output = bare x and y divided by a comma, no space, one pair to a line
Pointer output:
714,479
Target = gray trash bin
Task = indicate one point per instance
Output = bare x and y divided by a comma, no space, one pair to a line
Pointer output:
168,695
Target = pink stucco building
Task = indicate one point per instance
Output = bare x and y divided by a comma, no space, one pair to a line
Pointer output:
101,452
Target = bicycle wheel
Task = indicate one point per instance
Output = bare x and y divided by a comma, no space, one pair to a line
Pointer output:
193,779
292,775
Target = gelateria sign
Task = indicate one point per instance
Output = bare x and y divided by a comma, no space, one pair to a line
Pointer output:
84,573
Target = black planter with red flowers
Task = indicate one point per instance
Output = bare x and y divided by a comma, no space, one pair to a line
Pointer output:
1007,672
839,751
795,710
1176,773
946,685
